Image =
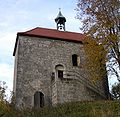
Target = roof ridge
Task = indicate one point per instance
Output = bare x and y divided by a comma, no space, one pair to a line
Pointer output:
29,30
50,30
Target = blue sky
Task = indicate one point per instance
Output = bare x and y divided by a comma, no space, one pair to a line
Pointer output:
23,15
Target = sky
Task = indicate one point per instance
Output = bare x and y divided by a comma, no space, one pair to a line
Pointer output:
23,15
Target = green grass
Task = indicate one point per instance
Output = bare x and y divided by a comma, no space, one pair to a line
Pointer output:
76,109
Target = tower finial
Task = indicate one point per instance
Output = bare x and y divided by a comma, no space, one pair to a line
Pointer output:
60,20
59,9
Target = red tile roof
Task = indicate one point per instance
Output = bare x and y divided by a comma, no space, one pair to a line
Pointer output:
52,34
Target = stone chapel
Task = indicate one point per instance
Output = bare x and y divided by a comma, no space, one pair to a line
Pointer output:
48,68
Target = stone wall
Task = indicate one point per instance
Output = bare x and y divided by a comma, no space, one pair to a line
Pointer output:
36,59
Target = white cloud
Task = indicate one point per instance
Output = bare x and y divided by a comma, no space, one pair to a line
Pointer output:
7,41
6,73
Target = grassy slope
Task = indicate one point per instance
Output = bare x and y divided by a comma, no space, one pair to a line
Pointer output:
76,109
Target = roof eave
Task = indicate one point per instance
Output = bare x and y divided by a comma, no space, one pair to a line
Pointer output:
15,44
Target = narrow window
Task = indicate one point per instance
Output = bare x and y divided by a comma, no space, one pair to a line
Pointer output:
60,74
59,71
74,60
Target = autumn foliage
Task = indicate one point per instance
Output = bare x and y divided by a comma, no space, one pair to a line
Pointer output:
95,59
101,24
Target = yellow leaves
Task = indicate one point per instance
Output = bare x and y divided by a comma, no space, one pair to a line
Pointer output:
94,49
113,37
95,59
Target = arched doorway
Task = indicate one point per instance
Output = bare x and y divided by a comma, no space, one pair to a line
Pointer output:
38,99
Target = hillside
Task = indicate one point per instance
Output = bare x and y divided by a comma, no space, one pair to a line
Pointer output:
76,109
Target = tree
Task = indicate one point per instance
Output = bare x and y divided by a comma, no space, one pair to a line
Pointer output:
116,91
3,88
101,23
95,60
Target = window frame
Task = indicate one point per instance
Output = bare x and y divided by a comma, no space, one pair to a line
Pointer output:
59,71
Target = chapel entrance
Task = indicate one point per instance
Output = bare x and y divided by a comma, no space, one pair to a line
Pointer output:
38,99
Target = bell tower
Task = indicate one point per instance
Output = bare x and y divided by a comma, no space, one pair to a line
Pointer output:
60,20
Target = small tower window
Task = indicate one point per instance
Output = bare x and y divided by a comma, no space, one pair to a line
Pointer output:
59,71
60,74
75,60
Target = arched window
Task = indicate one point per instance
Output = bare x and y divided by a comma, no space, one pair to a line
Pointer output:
38,99
59,71
75,60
